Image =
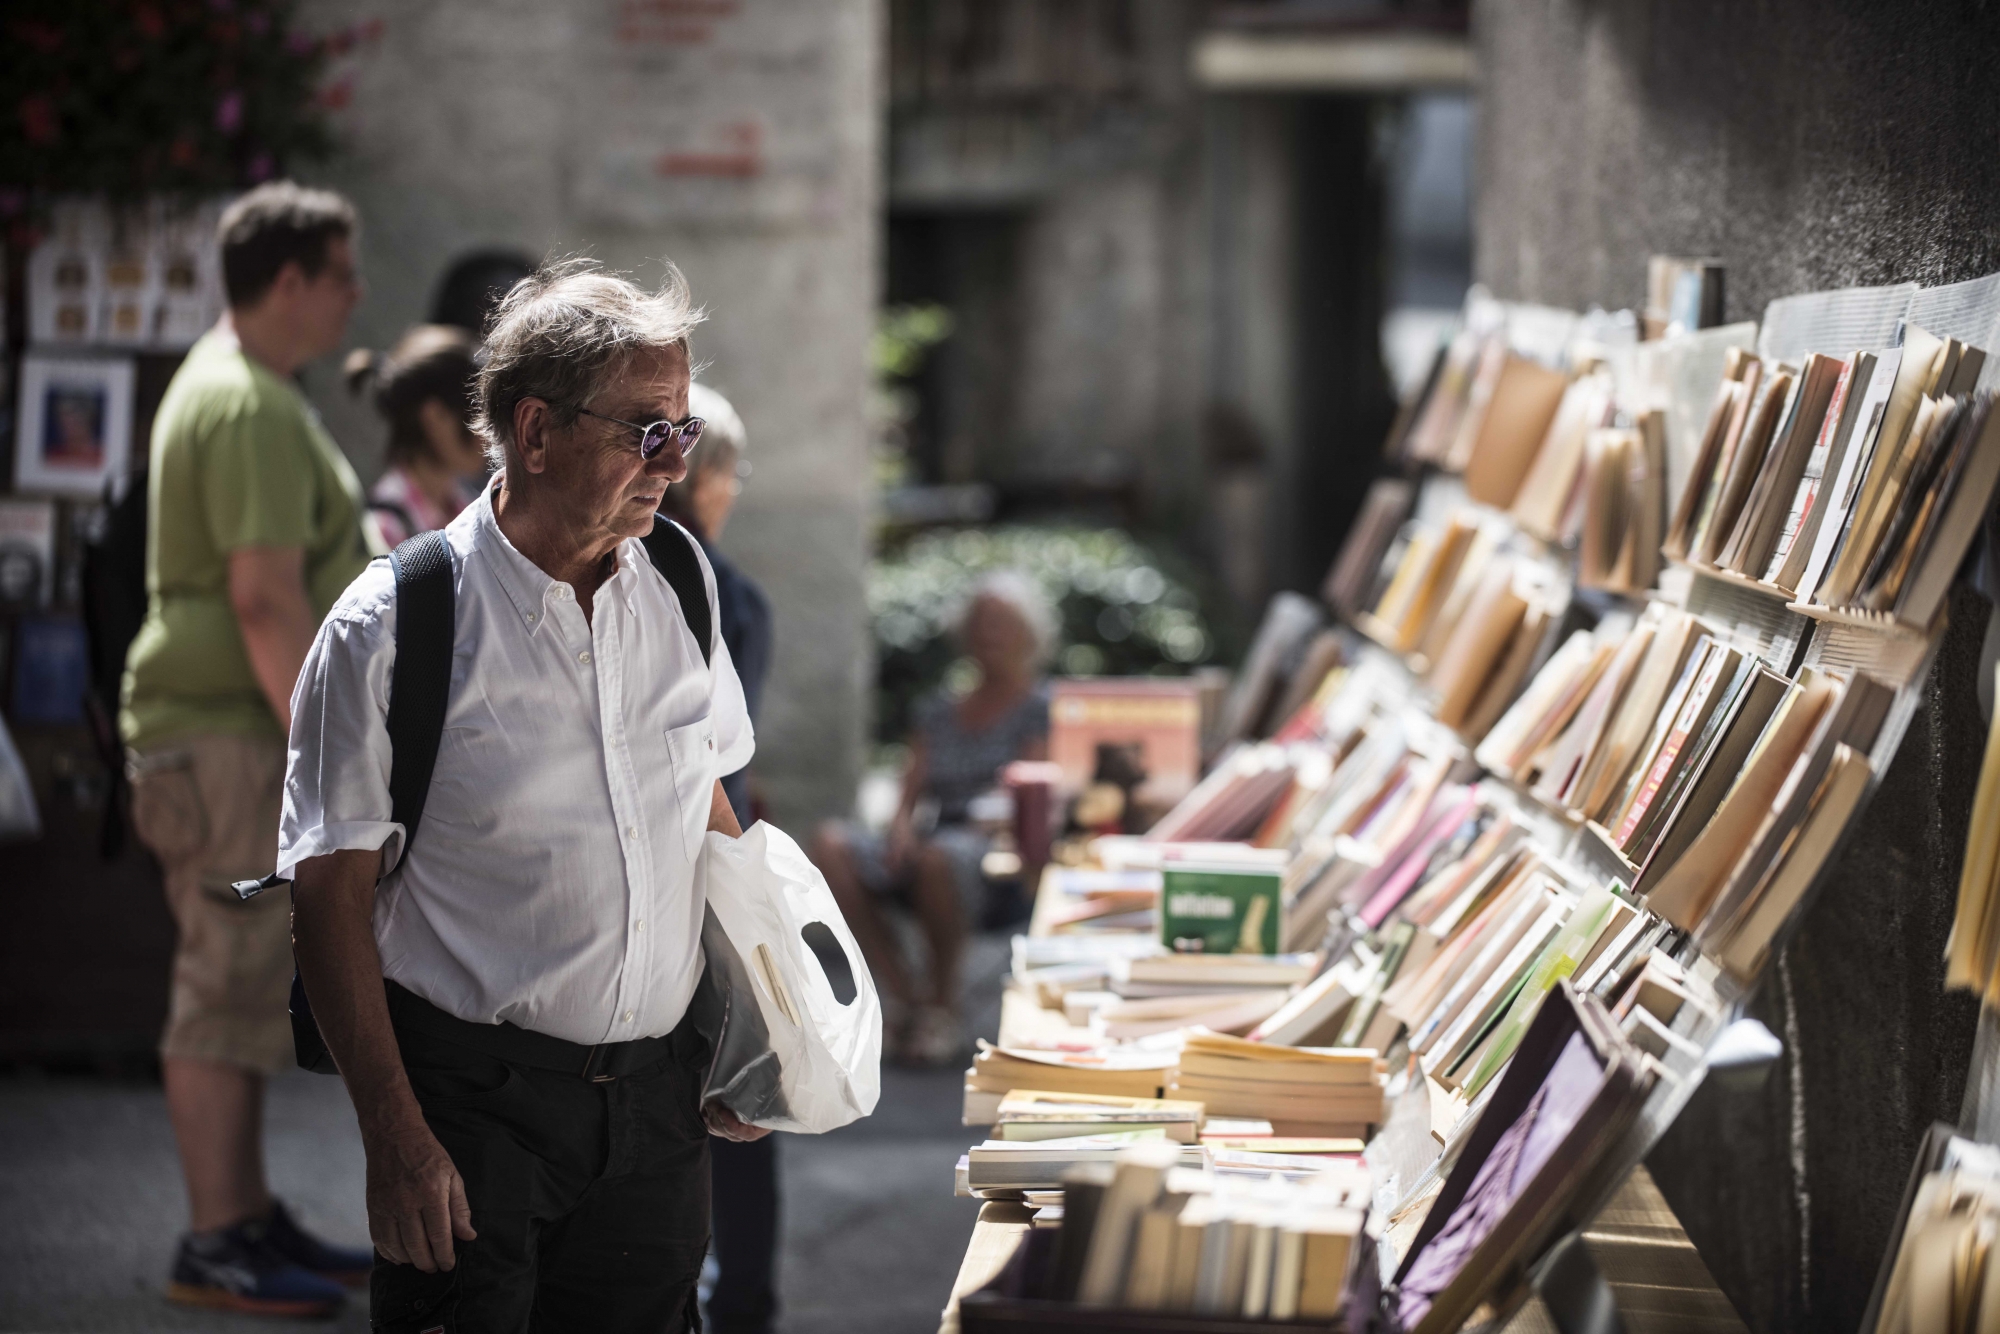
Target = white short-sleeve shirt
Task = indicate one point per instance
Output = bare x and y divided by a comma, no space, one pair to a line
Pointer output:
551,883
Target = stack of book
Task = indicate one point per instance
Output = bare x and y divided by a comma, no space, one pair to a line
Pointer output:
1426,572
1939,1272
1107,1070
1013,1166
1101,900
1622,506
1545,1140
1543,505
1147,1234
1852,484
1227,992
1489,639
1722,782
1032,1114
1305,1091
1283,640
1235,798
1351,582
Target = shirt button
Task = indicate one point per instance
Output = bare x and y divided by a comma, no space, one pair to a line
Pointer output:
531,618
628,1016
640,925
631,831
583,658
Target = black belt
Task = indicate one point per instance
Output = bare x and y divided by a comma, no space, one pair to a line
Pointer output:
599,1064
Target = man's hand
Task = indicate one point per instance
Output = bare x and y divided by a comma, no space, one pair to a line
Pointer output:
725,1124
416,1199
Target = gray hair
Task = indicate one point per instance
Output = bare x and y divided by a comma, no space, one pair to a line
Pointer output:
1024,596
723,438
563,333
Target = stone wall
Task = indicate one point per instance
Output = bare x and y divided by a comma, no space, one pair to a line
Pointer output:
1810,146
739,140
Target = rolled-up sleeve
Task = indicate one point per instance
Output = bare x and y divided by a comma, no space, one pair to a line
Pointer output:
337,772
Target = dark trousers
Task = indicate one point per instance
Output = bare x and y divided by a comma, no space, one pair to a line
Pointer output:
590,1199
745,1298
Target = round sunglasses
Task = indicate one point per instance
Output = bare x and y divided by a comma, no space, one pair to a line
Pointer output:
682,435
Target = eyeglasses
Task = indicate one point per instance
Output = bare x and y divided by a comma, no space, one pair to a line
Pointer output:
682,435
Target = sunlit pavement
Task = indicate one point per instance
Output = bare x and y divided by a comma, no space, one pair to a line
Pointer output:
91,1200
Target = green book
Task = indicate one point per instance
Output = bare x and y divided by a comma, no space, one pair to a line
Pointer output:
1557,961
1220,910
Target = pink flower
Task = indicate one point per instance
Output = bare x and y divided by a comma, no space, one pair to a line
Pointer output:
229,112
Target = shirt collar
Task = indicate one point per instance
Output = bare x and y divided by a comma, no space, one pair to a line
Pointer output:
526,584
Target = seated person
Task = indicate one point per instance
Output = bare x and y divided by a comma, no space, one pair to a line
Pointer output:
957,749
422,388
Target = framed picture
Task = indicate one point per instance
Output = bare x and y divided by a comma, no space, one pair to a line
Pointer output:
75,424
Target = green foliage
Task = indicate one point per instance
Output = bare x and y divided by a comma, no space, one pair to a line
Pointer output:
130,97
903,335
1123,610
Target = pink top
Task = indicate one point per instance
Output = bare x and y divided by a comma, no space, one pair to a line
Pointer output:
395,497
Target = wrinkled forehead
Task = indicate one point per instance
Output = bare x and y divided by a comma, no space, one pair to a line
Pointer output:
650,385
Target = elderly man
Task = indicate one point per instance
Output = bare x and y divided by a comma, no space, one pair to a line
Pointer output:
508,1001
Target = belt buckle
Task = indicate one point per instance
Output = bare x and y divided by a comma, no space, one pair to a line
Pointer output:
591,1061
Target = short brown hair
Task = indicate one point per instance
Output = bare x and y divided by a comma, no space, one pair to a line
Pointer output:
278,223
430,361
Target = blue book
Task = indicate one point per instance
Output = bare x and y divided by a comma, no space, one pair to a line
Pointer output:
51,671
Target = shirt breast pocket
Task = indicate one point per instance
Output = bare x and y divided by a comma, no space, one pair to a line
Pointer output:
692,751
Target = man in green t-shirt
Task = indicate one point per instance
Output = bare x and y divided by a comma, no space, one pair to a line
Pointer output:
254,529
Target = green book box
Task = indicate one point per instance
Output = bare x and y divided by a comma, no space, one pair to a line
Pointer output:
1210,910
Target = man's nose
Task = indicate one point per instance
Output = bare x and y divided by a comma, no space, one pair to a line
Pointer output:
668,465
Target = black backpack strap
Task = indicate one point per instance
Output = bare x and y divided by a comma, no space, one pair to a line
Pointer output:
420,682
674,554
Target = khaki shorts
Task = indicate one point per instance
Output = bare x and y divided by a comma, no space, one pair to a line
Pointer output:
208,807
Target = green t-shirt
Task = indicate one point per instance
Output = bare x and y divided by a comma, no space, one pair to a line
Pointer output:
239,459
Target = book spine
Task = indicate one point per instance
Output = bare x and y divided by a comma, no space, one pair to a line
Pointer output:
1669,751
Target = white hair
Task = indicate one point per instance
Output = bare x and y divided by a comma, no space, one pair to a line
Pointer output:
567,330
724,427
1022,594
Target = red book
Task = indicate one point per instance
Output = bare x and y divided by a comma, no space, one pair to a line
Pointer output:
1689,722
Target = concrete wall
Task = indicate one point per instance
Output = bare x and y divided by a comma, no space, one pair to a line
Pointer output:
1810,145
1079,125
738,139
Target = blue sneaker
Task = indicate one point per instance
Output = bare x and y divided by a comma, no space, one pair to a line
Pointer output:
345,1265
237,1269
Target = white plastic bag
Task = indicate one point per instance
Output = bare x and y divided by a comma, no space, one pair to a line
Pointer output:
789,1054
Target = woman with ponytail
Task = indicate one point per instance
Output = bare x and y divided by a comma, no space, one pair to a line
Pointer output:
422,388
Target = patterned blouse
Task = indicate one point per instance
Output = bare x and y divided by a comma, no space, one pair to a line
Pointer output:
962,763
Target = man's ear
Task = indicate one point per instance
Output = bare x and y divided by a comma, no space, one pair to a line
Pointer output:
291,280
531,433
